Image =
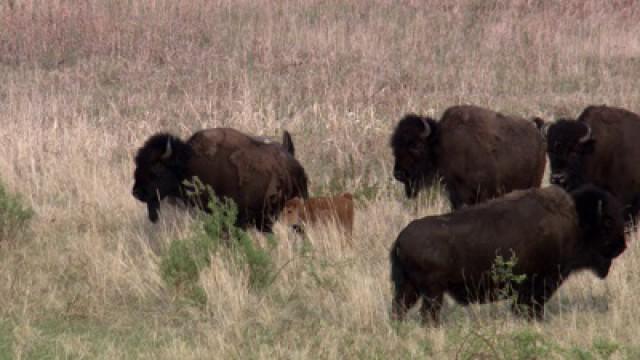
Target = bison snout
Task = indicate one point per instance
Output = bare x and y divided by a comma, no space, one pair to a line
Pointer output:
558,179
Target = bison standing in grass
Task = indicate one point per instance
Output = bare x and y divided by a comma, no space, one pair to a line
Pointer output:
317,210
552,234
478,153
258,176
600,147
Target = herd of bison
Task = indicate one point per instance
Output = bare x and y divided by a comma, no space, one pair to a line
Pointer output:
492,167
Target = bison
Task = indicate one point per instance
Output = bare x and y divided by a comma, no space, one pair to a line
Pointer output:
478,153
258,176
298,212
600,147
551,232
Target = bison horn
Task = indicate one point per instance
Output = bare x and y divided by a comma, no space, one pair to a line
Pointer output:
427,129
168,151
545,129
599,208
586,136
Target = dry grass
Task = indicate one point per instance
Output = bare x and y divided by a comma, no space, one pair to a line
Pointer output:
82,84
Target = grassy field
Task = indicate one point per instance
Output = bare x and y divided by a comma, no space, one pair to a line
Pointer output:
84,83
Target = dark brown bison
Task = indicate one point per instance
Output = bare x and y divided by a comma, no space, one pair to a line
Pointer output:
478,153
551,233
600,147
258,176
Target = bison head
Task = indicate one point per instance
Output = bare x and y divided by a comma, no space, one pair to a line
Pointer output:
568,143
601,220
161,165
415,160
291,213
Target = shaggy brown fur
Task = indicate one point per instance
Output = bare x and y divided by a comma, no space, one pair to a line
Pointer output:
551,233
602,148
478,153
259,177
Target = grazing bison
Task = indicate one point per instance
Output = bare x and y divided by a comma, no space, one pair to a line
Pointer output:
258,176
551,232
600,147
298,212
478,153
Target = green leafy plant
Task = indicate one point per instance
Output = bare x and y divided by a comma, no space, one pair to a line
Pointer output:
14,214
503,275
216,235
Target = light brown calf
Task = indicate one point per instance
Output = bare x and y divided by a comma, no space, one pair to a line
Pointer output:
339,208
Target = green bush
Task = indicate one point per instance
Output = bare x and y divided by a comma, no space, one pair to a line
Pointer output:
14,214
185,258
502,273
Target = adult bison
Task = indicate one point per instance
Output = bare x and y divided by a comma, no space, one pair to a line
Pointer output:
551,232
258,176
600,147
478,153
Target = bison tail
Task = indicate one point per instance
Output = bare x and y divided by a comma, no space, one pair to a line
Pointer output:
287,142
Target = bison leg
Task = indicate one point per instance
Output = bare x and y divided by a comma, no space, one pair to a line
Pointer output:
533,295
454,198
405,293
631,211
430,309
459,195
404,298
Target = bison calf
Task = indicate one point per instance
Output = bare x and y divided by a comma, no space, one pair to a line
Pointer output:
258,176
551,232
338,209
479,154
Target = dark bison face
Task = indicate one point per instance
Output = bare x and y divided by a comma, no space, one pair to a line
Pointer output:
568,144
160,170
601,218
412,144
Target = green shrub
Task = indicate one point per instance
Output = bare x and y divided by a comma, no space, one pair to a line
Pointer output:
185,258
14,214
605,348
502,273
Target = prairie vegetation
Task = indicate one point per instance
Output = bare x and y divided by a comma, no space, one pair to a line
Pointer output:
83,84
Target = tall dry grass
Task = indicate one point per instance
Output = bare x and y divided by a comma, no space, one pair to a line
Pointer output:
83,83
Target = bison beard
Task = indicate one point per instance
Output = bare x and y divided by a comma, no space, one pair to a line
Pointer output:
551,232
153,207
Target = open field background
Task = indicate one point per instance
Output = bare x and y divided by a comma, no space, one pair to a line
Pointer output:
84,83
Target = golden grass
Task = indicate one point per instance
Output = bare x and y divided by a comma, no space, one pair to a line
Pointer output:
83,84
